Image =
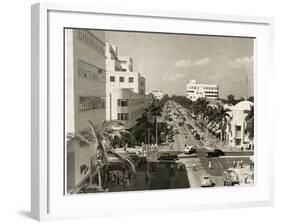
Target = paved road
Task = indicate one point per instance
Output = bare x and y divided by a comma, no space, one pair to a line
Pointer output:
219,164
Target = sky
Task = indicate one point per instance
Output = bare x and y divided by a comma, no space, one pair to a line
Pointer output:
169,61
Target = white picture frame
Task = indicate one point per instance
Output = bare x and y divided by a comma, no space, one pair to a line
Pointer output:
48,200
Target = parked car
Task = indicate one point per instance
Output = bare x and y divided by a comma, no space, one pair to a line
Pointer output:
190,149
193,131
197,136
206,181
215,153
170,139
167,156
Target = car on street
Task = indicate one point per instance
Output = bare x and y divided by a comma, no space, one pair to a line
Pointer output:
181,123
176,131
193,131
206,181
190,149
167,156
170,139
215,153
197,136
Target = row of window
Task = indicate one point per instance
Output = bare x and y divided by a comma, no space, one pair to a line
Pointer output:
211,95
92,40
90,72
205,87
122,116
121,79
91,103
123,102
211,92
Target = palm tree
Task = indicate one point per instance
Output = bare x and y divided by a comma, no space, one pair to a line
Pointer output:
250,121
199,107
143,127
221,118
155,110
103,135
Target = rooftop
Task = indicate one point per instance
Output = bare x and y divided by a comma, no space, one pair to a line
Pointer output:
243,105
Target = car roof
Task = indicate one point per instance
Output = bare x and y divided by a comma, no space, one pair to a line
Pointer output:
205,176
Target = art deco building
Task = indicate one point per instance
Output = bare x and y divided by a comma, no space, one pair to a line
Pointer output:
195,91
126,99
85,85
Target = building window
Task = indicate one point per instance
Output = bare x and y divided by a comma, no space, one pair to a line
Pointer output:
123,102
131,79
238,131
121,79
90,72
112,78
91,103
123,116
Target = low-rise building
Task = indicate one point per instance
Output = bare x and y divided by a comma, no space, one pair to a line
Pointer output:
127,106
195,91
236,130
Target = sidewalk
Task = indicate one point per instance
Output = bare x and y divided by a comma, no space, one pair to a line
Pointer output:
209,139
246,175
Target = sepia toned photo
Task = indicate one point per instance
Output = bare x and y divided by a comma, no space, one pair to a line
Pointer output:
153,111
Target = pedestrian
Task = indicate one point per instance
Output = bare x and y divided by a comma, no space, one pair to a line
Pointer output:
245,178
238,164
241,163
193,166
234,164
127,182
146,177
210,165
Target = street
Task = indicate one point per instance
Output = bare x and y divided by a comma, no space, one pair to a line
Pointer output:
200,159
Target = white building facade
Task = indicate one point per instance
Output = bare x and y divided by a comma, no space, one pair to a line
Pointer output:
127,106
125,89
85,80
196,90
236,130
157,93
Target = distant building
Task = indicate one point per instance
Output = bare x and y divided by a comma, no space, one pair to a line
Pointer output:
195,91
236,131
125,89
157,93
85,79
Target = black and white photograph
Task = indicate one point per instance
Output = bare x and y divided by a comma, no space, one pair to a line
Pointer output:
154,111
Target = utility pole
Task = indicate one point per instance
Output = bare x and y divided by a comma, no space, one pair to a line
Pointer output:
156,132
246,95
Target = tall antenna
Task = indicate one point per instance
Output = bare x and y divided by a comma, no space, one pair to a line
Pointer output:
246,86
